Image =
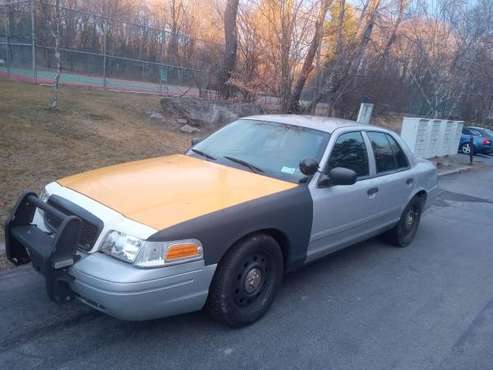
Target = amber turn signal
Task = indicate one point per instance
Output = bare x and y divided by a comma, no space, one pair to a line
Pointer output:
181,251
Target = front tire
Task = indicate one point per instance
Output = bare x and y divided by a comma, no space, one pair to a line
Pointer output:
246,281
402,234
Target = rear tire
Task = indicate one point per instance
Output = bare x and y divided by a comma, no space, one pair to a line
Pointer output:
402,234
246,281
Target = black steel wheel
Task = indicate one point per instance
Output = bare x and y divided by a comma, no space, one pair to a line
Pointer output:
246,281
402,234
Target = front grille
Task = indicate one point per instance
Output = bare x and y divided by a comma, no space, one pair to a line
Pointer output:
91,225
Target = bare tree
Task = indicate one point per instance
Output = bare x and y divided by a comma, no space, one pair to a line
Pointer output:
247,78
57,36
230,46
418,56
306,69
402,5
176,14
339,70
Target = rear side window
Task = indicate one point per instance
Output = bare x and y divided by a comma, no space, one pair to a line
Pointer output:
384,156
399,155
350,152
471,131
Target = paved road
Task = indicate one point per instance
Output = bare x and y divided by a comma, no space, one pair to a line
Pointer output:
371,306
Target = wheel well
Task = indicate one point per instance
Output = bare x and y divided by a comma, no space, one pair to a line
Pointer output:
278,236
422,195
283,241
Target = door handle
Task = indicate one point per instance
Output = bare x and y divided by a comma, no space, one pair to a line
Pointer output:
409,182
372,192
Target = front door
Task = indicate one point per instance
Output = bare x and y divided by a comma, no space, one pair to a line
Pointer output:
344,214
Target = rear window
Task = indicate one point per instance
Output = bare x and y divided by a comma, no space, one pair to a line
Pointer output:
399,155
384,156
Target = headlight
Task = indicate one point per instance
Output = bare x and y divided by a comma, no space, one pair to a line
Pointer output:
150,254
121,246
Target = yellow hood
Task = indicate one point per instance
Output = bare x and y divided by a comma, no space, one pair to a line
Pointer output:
161,192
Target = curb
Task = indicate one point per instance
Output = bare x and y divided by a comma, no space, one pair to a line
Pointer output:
455,171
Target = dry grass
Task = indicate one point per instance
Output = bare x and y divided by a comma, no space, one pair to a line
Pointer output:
91,129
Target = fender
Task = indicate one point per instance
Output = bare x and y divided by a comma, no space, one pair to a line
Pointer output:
289,211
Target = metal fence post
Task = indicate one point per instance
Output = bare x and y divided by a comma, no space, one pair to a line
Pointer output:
161,60
105,40
7,34
33,39
471,152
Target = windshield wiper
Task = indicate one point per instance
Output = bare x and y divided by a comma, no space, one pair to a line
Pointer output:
252,167
203,154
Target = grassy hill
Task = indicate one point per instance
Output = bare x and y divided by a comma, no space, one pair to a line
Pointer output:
91,129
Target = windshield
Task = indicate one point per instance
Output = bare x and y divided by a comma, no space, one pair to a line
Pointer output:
271,148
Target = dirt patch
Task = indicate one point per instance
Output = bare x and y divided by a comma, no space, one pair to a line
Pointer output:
91,129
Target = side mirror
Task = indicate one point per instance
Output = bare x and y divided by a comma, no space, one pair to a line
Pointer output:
338,176
196,140
308,166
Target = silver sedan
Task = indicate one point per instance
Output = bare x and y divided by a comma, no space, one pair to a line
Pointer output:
219,225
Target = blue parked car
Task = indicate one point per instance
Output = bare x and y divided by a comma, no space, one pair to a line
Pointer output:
482,141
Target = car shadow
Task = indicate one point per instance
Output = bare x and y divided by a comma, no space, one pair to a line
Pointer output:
304,291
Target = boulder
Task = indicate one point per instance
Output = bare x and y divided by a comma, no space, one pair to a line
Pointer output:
156,115
199,112
189,129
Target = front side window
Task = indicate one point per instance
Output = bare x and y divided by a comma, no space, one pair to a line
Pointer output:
384,156
274,149
350,152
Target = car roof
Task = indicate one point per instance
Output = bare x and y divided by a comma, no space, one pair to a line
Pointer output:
326,124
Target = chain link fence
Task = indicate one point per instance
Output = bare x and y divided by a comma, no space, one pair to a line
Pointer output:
102,52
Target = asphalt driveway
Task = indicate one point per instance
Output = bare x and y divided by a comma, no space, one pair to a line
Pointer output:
371,306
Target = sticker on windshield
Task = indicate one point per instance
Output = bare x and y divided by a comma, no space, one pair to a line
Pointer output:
289,170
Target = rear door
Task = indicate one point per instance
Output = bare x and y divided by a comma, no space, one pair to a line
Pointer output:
343,214
395,178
